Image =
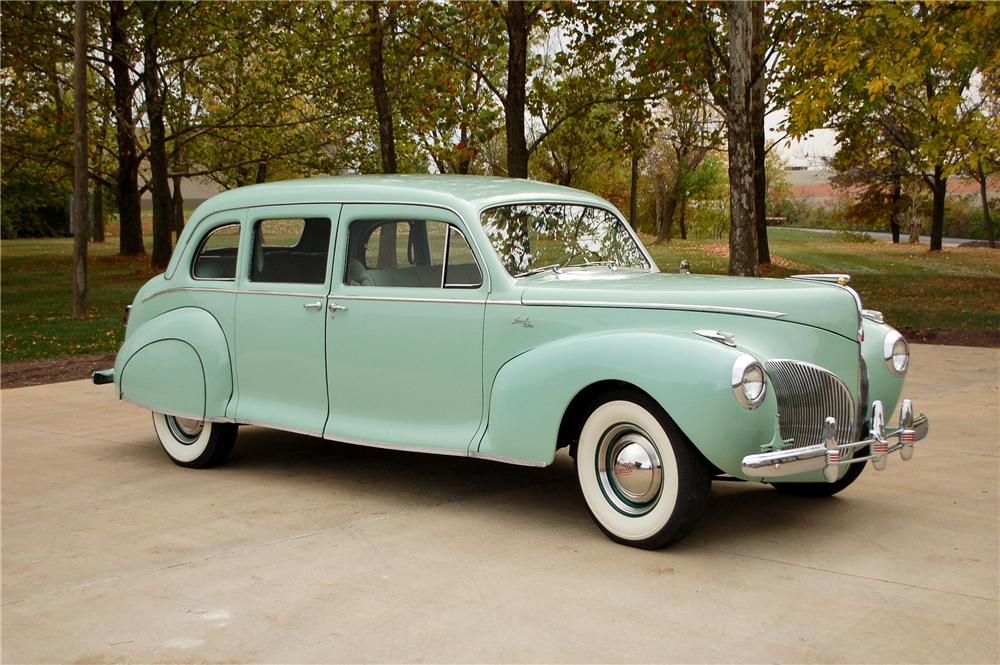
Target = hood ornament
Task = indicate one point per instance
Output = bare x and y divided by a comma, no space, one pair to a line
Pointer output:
685,267
721,336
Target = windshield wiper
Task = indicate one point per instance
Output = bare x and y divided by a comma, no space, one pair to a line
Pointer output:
554,267
611,264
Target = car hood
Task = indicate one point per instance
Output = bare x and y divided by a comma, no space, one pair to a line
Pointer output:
816,304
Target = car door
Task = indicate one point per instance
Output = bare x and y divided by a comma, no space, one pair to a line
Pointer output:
281,316
404,339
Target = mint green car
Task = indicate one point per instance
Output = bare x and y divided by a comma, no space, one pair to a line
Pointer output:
506,319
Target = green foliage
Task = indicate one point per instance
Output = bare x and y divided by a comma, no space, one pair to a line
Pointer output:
32,210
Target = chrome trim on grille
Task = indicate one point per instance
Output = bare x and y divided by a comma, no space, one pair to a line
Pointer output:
808,394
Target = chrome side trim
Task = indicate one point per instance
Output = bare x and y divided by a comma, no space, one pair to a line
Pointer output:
643,305
506,460
177,414
830,277
504,302
280,428
392,446
460,301
242,292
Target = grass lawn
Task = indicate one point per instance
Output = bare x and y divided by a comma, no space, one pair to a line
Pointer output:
956,289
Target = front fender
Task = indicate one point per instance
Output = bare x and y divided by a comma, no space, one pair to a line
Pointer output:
689,376
177,363
882,384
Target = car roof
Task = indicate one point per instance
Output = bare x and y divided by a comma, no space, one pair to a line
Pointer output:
453,191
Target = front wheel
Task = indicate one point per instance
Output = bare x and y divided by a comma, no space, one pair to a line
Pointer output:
644,483
195,444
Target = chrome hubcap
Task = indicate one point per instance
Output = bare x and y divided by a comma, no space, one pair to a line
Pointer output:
629,469
185,430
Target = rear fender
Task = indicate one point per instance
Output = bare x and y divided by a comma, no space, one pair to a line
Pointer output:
177,363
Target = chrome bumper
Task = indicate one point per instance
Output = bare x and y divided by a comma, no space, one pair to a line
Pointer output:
827,456
103,376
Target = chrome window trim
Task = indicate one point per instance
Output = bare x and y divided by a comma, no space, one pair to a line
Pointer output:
719,309
487,280
255,230
650,264
201,245
444,272
460,301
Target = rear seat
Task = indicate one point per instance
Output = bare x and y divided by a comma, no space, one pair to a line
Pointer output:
413,276
293,267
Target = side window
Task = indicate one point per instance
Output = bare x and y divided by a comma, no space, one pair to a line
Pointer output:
409,253
290,251
461,270
216,258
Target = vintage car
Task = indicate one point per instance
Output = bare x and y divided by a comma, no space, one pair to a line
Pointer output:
505,319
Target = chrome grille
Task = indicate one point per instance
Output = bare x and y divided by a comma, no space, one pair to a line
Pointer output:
807,395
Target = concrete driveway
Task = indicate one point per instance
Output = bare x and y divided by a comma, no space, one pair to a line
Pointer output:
306,551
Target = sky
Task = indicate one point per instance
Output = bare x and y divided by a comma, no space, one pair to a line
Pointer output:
808,152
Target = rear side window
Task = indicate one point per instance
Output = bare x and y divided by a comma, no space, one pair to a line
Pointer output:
290,251
216,258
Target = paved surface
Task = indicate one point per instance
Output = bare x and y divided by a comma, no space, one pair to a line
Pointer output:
884,235
305,551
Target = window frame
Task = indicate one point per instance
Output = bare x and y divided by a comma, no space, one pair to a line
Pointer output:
201,246
255,235
444,262
378,222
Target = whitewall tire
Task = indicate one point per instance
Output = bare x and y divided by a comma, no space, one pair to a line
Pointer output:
194,443
645,485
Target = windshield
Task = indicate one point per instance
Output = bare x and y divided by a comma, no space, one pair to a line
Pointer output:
536,236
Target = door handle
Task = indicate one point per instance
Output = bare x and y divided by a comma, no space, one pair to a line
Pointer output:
313,305
334,308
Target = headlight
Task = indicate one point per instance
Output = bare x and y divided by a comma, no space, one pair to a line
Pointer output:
896,352
749,381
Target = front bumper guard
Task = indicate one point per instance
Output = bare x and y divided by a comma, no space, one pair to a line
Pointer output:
828,456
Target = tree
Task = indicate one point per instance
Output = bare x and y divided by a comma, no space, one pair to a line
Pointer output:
153,17
871,167
129,210
80,170
903,67
688,131
383,105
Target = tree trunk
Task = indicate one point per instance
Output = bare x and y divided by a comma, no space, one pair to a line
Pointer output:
683,224
178,208
633,193
937,212
383,105
262,167
897,194
97,231
987,216
158,165
757,93
742,243
517,80
129,212
80,170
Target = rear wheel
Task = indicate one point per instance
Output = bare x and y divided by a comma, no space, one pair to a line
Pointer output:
192,443
644,483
